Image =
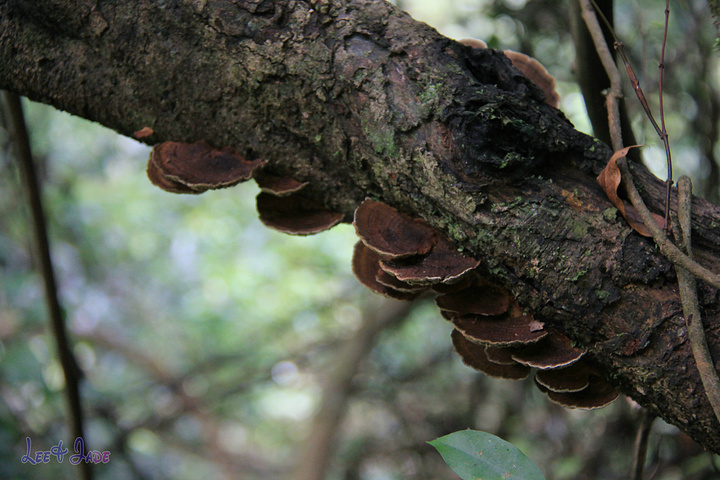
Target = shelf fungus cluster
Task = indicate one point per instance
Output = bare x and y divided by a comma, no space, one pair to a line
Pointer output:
196,167
402,257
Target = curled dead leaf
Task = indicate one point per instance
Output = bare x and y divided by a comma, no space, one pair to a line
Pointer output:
143,132
609,179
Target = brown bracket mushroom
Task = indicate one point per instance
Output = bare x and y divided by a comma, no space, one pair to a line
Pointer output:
500,331
475,356
501,355
197,167
295,214
399,256
276,185
573,378
444,264
389,281
597,394
479,298
366,267
411,250
390,233
156,178
554,351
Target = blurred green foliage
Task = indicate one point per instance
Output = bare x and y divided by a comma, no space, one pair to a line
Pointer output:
205,338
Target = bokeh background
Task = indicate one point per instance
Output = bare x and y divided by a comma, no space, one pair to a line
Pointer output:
214,347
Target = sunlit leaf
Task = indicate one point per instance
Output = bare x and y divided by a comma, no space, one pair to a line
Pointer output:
481,456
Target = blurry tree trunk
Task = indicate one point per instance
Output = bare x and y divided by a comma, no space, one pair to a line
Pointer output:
358,99
319,446
592,78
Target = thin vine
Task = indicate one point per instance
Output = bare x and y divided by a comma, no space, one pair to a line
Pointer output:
610,66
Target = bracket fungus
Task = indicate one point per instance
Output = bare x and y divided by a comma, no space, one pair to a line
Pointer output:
410,250
401,257
475,356
597,394
461,284
501,355
443,264
295,214
388,280
276,185
503,330
156,178
392,234
196,167
554,351
366,267
479,298
508,327
573,378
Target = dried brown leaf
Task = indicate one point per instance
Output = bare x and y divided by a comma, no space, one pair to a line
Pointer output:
143,132
609,179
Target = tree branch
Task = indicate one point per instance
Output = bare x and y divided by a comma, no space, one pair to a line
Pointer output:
614,96
358,99
641,442
40,240
688,294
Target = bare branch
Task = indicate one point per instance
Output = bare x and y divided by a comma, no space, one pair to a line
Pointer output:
691,309
44,261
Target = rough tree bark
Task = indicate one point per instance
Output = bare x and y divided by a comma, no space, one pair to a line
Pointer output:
360,100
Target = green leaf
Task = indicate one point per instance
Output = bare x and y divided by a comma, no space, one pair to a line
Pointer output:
481,456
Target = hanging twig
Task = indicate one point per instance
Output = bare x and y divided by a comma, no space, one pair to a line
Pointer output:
691,310
45,265
641,443
619,47
663,132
